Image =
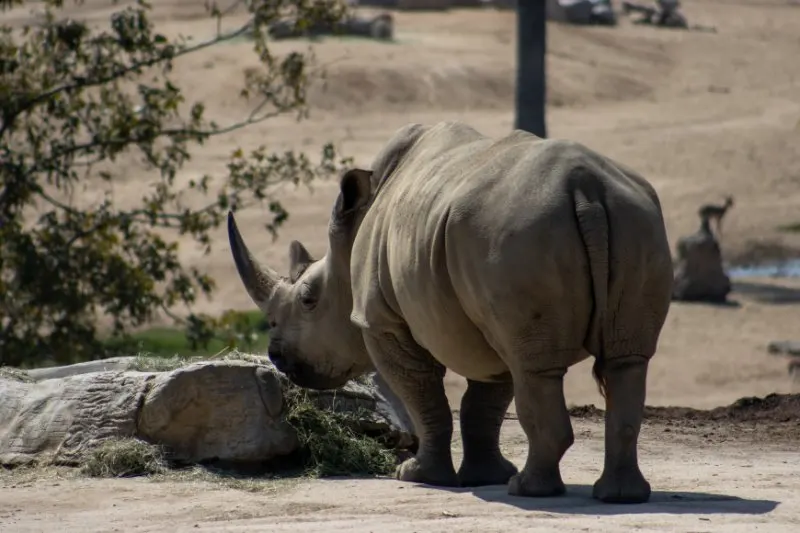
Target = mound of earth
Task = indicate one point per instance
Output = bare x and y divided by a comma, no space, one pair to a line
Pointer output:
776,408
776,415
780,408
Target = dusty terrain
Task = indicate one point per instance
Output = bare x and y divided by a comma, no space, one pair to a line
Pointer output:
700,114
705,476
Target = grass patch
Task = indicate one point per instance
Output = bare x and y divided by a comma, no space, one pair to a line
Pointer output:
790,228
125,458
173,348
329,443
166,342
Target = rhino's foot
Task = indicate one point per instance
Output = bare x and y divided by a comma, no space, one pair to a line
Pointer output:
483,409
622,486
621,480
537,484
436,474
496,471
417,380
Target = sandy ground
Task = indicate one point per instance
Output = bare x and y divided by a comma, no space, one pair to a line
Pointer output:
700,114
704,479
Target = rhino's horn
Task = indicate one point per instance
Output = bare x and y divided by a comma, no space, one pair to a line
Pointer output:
259,281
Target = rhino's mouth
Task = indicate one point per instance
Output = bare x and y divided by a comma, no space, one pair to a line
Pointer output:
305,376
299,372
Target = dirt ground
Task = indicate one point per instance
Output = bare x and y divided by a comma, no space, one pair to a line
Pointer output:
701,115
710,473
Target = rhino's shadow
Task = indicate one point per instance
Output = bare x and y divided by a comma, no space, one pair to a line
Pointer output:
729,303
578,500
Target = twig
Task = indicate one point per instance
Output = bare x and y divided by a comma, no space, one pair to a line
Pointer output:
220,353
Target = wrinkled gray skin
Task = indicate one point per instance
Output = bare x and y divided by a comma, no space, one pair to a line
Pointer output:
505,260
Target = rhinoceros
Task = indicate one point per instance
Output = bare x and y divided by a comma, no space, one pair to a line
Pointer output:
504,260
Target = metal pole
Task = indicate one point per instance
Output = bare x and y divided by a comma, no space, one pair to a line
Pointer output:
531,90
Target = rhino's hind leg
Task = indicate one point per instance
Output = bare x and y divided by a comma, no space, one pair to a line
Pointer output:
542,412
418,380
622,481
483,409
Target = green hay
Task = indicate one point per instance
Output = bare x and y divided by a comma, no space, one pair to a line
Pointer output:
329,445
149,363
16,374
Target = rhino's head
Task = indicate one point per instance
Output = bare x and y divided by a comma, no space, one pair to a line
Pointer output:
312,340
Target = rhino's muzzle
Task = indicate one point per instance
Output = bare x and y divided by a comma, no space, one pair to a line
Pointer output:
300,373
278,359
306,377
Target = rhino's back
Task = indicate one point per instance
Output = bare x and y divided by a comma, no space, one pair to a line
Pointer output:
516,254
399,264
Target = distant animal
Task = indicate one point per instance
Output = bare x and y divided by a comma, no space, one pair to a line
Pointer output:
716,212
705,225
506,260
666,15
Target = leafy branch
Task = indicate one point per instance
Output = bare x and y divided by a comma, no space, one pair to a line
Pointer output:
73,100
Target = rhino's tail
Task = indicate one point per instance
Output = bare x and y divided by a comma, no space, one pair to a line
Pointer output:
593,225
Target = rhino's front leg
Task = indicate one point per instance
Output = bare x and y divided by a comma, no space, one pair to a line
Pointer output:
418,380
622,481
483,409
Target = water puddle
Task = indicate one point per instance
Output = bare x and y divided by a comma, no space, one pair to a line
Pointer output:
789,268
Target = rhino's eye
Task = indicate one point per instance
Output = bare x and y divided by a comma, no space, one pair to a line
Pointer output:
307,298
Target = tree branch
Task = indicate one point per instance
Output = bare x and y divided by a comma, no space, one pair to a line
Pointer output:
43,163
85,83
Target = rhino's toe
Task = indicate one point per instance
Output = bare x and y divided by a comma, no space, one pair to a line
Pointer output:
622,486
536,485
438,475
492,472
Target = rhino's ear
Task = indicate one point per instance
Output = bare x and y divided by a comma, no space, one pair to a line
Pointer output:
299,259
354,192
